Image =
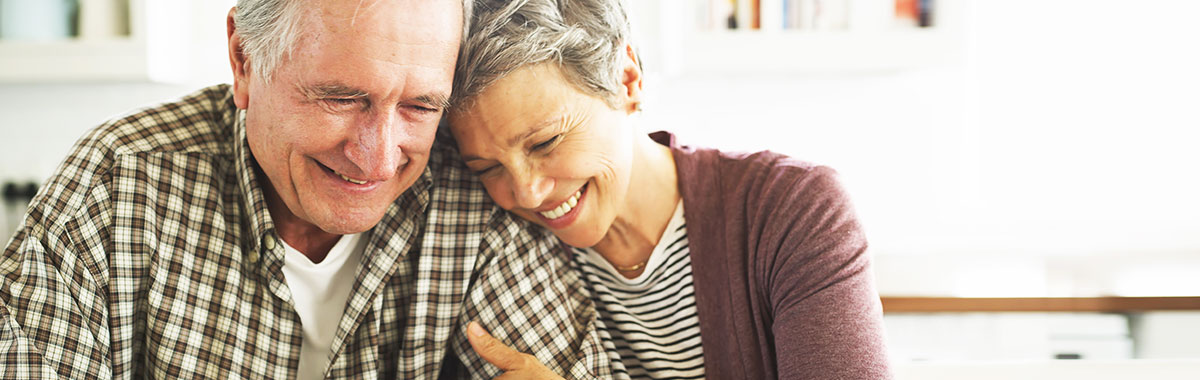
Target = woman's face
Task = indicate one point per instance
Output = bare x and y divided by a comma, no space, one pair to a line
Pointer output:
548,152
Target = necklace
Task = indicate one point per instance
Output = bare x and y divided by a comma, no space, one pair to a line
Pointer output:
631,268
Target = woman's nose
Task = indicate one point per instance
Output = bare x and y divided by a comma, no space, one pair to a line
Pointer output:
531,189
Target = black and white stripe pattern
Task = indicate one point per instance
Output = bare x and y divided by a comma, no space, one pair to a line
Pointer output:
650,321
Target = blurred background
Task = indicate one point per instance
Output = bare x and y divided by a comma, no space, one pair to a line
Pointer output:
1027,170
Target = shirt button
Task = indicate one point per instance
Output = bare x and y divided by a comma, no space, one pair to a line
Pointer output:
270,242
252,256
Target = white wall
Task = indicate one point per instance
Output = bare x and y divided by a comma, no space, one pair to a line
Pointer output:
1060,148
40,122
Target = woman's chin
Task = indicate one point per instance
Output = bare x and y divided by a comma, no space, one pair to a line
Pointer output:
575,234
576,239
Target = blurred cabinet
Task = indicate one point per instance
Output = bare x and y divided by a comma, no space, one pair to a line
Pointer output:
916,337
992,328
179,41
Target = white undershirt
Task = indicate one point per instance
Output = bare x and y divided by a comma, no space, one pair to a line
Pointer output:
319,292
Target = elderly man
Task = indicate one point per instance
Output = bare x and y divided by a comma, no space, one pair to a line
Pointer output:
305,222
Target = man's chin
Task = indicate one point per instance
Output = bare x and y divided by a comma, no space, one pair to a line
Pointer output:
347,222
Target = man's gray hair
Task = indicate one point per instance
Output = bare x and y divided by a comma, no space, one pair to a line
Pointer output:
269,30
585,38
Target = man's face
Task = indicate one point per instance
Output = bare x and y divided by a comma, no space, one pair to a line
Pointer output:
346,123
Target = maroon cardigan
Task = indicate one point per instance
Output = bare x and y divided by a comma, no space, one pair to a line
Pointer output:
782,275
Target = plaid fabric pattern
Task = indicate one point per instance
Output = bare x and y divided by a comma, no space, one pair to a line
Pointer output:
146,256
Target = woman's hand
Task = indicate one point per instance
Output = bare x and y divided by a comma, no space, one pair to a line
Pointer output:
515,364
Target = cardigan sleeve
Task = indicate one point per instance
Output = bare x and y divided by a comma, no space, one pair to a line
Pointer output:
826,313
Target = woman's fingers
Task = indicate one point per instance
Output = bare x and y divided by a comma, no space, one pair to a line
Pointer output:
495,351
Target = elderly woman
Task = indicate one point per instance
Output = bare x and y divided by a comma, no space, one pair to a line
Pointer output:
701,263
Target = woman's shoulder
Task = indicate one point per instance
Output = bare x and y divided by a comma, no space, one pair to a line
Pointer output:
738,173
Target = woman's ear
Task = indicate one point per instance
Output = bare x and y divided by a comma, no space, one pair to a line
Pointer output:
238,62
631,80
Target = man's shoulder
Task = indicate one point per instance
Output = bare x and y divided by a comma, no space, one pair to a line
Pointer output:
445,163
458,186
199,122
452,180
188,124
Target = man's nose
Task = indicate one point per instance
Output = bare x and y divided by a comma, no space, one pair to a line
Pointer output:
375,146
530,188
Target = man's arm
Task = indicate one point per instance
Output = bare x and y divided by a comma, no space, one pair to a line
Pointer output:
529,297
53,311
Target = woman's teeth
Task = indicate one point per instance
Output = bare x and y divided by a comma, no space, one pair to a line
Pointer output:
563,208
351,180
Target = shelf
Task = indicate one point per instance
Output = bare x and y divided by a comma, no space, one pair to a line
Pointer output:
72,60
674,43
1037,304
170,42
805,51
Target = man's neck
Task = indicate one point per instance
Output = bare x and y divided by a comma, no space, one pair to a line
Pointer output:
313,242
298,233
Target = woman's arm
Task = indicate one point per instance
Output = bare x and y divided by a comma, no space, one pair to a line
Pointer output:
827,318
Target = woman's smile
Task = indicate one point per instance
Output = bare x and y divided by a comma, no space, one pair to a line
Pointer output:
566,212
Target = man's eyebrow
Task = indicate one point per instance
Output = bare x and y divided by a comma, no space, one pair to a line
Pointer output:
436,100
331,90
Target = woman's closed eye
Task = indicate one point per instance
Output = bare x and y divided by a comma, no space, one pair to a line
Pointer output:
481,170
546,144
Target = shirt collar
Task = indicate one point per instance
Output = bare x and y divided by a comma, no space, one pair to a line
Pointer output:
255,205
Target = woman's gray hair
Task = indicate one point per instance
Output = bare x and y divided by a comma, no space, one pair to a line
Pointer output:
269,30
585,38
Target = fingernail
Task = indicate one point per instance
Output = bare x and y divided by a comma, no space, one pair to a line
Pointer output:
476,329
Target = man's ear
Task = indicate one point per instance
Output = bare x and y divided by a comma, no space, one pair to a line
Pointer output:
631,81
238,62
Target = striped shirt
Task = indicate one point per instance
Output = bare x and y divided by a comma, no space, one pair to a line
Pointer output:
150,254
649,322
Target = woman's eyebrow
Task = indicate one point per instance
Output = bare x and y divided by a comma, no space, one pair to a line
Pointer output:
516,140
537,128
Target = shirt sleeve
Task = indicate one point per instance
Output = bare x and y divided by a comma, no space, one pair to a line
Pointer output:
53,314
827,314
528,296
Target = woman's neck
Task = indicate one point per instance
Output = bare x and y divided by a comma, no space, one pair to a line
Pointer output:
645,213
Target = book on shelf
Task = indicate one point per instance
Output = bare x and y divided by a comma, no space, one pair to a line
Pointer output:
744,13
914,13
721,14
817,15
771,14
925,13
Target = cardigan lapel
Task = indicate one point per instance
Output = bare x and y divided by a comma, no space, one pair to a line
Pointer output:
718,276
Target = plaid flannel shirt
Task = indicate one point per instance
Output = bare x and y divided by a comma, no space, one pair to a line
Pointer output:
150,254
